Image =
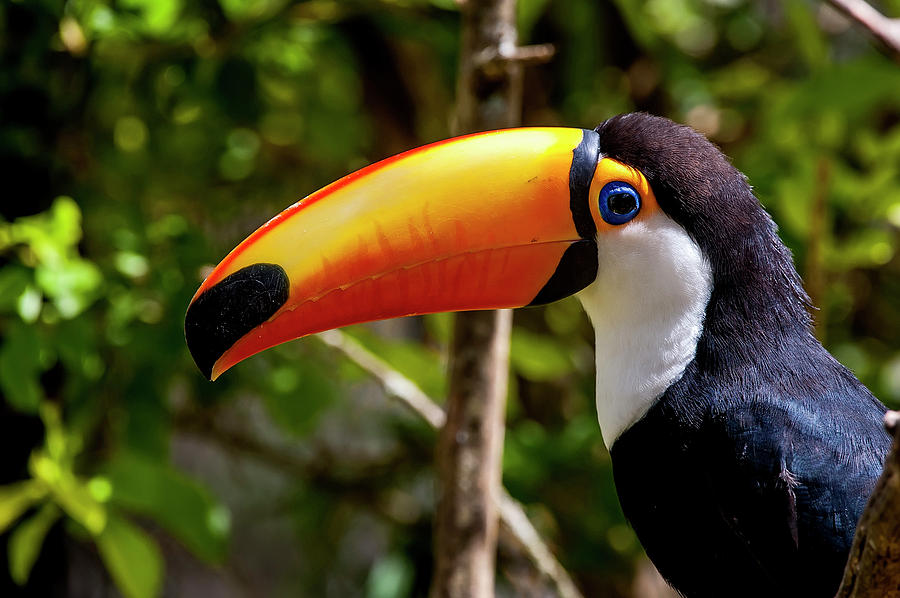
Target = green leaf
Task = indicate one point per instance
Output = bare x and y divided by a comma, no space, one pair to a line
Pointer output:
807,34
439,326
53,467
26,541
866,248
527,14
76,343
69,492
20,367
420,364
178,504
29,304
132,558
156,16
636,21
72,284
61,447
14,281
851,88
49,234
74,497
64,224
299,392
391,577
238,10
565,317
16,498
52,238
538,357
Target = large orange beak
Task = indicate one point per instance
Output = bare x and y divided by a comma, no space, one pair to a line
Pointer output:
491,220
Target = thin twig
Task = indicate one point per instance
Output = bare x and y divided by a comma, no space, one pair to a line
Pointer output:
494,61
886,29
395,383
512,513
514,519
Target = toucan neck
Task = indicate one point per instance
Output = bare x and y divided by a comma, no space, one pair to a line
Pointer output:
647,306
757,306
664,304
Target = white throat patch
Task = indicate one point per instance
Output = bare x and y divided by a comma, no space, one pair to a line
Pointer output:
647,306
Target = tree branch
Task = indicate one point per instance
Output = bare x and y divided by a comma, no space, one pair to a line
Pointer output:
470,445
469,451
494,61
883,28
517,528
873,569
395,383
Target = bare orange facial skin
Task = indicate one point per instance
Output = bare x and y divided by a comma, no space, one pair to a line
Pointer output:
609,170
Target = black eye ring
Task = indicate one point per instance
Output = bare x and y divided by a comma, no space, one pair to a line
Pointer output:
619,202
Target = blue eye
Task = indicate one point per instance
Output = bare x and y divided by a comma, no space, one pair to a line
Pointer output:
619,202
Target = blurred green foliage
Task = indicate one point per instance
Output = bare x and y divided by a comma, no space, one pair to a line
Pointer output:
141,139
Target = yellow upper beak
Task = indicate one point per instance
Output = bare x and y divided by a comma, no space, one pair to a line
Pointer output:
498,219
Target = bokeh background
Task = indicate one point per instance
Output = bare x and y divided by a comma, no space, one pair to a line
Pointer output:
141,139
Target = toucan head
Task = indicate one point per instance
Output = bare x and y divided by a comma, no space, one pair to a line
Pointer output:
639,216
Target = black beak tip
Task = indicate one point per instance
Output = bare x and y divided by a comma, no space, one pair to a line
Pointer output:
233,307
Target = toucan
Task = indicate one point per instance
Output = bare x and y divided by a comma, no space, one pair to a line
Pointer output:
743,453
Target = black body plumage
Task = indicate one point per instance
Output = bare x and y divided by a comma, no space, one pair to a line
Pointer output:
748,476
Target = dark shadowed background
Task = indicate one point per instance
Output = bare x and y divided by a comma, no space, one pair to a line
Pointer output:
140,140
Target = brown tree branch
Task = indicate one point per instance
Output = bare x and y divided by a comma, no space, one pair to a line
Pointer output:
873,569
469,451
470,445
494,61
517,529
885,29
395,383
517,525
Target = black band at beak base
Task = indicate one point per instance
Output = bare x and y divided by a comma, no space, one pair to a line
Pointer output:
584,164
576,270
578,266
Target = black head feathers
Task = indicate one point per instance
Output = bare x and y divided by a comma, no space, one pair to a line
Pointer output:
697,186
693,181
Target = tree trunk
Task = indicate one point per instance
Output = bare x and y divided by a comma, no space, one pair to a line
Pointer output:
873,569
470,446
